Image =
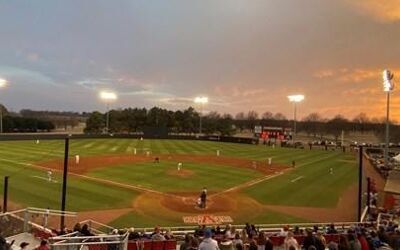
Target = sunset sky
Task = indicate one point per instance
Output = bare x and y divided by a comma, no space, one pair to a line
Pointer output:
244,55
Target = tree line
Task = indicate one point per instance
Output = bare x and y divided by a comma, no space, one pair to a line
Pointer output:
131,120
15,122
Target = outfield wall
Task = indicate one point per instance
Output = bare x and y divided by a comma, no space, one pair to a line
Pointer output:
12,137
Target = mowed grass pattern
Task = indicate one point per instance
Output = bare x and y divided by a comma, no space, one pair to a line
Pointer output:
157,176
317,188
311,184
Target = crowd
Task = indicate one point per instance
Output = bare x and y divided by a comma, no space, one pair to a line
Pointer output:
358,237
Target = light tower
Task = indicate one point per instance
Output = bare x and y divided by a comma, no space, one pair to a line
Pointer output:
388,87
202,100
108,97
295,99
3,83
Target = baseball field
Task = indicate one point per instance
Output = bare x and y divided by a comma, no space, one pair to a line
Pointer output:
119,182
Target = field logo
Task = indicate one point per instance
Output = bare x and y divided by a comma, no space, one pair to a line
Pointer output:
207,219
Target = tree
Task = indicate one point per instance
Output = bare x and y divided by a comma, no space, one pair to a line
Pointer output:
252,117
280,117
336,125
312,124
267,116
3,109
95,123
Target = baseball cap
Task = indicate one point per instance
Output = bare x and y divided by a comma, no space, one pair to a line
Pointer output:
207,233
23,244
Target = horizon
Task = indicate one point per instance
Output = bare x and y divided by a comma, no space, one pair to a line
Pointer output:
60,55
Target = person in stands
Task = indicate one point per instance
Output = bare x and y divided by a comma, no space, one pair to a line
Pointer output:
85,230
43,246
208,243
311,240
291,241
156,235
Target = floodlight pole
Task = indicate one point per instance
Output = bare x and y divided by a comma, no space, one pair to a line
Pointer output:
201,116
360,177
1,120
108,118
386,156
64,185
294,122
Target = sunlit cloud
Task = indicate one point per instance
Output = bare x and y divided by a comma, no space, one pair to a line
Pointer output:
382,10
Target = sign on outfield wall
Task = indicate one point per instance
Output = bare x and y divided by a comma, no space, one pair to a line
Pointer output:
207,219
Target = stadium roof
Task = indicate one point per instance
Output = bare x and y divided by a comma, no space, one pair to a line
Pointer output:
393,182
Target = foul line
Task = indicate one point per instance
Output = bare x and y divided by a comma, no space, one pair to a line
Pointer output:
137,188
296,179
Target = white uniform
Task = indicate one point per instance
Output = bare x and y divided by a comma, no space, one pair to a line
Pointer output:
217,152
179,166
77,159
269,161
49,176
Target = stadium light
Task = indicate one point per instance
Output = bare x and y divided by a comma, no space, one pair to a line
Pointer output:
107,97
388,86
3,83
295,99
202,100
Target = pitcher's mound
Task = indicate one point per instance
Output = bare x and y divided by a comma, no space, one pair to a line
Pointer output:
184,173
188,204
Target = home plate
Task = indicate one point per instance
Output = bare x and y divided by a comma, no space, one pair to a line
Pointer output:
298,178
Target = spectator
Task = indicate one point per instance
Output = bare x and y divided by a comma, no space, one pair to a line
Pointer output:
43,246
77,227
85,230
226,243
332,229
321,237
156,235
3,242
237,240
208,243
311,240
195,244
261,241
133,235
290,241
247,228
186,245
354,242
168,234
363,241
343,243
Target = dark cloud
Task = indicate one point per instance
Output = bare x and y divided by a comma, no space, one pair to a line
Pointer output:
243,55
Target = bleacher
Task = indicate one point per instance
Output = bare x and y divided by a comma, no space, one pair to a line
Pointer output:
20,226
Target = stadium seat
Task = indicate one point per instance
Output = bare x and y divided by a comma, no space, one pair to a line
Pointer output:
331,237
157,245
147,245
133,245
300,239
277,240
98,247
170,245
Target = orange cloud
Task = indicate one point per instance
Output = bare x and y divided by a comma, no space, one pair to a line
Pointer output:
351,75
382,10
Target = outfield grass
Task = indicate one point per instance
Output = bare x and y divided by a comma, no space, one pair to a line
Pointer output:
316,187
311,184
155,176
